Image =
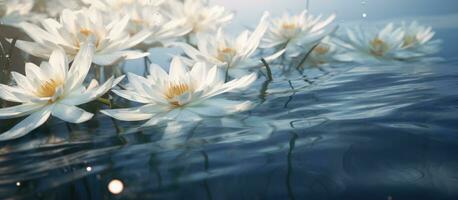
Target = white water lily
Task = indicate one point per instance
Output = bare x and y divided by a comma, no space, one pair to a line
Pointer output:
51,89
199,17
298,34
149,17
234,55
116,5
112,40
325,53
418,41
13,12
180,95
401,43
54,7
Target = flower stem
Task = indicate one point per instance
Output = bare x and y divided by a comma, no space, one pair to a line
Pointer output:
307,55
226,79
269,71
101,74
146,62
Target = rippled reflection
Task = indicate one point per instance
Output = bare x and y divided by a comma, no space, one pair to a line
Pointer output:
382,131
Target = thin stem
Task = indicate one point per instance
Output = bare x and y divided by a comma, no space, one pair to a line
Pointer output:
263,91
289,172
145,62
101,74
226,79
307,55
290,98
307,4
269,71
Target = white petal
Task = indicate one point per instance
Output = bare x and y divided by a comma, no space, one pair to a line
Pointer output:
157,73
132,96
177,69
19,110
133,114
33,48
80,67
28,124
23,82
59,62
71,114
89,95
220,107
187,116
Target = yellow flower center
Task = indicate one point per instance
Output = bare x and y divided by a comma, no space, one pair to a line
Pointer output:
288,26
48,89
225,54
321,49
175,91
85,32
137,21
379,47
409,40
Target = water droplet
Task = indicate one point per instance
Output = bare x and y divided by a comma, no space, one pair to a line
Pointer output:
363,2
88,169
115,186
18,184
364,15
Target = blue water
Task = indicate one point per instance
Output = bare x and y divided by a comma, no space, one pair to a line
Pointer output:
344,132
355,132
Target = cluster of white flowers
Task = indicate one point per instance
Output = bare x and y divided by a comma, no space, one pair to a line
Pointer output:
403,42
108,32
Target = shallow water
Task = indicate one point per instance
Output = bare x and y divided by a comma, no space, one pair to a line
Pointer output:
343,132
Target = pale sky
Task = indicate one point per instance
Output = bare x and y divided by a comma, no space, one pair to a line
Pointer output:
249,11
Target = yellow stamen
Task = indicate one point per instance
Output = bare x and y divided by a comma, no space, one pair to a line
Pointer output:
174,91
409,40
289,26
225,53
85,32
48,88
137,21
321,49
379,47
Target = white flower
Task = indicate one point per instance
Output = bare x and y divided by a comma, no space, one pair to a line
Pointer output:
418,41
54,7
13,12
235,55
181,95
401,43
200,17
116,5
149,17
51,89
297,33
111,37
325,53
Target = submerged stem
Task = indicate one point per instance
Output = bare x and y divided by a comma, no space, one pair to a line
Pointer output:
269,71
307,55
